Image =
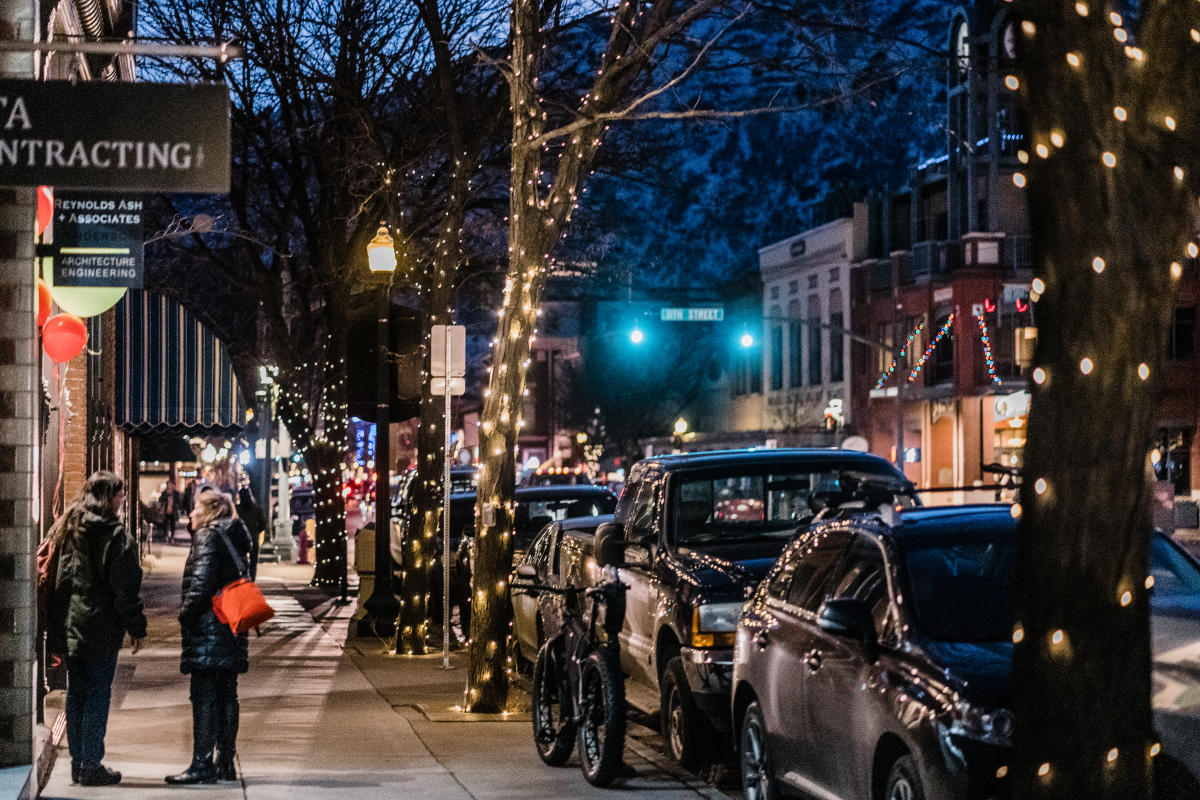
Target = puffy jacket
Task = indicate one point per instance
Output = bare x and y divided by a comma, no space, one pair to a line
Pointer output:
97,596
207,642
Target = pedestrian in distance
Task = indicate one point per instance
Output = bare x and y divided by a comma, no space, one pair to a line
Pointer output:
95,603
168,507
255,521
213,656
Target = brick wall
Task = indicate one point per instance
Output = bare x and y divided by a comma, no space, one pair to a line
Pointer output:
18,421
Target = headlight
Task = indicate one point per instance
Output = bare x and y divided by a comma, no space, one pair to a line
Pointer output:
714,624
987,726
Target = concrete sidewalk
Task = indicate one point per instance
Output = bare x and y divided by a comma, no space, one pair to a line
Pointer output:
323,717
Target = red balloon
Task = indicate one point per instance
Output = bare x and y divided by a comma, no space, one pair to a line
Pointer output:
64,337
45,208
45,302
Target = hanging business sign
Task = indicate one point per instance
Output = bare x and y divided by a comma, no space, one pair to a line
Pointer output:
114,136
97,239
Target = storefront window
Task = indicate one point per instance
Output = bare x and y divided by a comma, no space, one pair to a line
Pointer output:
1010,427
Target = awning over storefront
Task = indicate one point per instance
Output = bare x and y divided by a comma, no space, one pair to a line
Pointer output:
172,372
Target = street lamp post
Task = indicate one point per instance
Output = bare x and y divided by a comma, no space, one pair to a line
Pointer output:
381,607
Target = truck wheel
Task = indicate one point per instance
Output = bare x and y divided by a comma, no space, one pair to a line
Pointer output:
685,731
553,725
601,738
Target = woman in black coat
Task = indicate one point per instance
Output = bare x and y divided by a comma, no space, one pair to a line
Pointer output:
212,654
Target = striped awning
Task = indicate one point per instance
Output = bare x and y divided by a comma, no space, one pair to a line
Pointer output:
172,372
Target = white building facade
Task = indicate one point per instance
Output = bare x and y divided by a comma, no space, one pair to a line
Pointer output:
806,305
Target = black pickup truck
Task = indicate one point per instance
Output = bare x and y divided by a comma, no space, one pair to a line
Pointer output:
693,534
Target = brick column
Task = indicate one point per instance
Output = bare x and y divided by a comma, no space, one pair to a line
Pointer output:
18,409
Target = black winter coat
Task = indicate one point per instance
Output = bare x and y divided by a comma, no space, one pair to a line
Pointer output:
96,598
208,643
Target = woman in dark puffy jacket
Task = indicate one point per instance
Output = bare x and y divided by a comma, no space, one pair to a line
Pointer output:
212,654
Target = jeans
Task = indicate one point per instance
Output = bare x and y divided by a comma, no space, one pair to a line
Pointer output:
89,692
214,714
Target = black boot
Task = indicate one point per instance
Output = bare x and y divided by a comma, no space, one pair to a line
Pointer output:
198,772
205,721
225,769
228,728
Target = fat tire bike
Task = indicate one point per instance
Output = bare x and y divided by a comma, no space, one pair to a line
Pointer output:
578,685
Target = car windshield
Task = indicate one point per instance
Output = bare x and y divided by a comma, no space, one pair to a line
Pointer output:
534,514
734,506
961,585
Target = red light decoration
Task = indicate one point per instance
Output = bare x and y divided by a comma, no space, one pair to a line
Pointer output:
988,305
1021,307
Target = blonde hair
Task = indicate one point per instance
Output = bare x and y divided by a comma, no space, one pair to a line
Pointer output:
211,506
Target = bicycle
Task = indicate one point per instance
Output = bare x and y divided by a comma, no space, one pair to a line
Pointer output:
578,685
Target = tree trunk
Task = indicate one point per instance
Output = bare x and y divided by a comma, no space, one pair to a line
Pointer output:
421,552
1082,659
325,459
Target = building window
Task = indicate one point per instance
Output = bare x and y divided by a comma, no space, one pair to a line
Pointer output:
834,275
1182,343
776,357
795,345
814,341
1174,463
939,367
774,292
812,281
836,371
793,287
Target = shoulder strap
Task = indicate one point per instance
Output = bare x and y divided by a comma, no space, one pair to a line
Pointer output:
242,567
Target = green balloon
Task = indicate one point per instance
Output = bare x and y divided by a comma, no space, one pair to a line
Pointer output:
82,301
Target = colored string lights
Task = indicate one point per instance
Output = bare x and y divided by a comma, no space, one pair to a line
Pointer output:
912,376
887,373
987,350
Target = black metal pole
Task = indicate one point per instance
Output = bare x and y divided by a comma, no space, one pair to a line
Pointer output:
382,607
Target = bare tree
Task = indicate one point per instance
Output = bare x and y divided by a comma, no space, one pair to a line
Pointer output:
344,115
641,71
1113,115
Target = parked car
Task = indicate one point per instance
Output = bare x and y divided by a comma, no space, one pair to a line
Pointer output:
919,611
556,476
561,556
695,533
535,508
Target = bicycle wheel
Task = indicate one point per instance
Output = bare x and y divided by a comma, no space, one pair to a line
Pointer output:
602,730
553,728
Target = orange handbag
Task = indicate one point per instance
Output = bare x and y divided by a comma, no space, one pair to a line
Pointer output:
241,604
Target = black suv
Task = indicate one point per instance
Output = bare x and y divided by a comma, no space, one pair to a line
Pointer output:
874,660
693,535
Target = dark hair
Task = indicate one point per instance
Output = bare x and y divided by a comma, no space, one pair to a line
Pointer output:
96,497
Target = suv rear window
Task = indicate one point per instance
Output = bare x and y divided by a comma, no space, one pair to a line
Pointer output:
743,503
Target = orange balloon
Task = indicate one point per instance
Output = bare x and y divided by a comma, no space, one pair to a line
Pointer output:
64,337
45,208
45,302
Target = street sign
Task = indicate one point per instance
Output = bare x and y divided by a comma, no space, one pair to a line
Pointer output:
696,314
458,386
155,137
97,239
458,352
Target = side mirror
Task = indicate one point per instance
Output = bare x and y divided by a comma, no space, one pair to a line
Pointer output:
850,618
527,571
610,545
